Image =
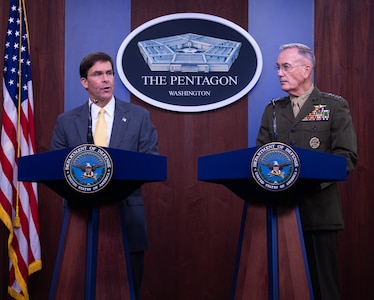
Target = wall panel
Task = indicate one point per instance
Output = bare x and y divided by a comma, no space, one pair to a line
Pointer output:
193,226
344,32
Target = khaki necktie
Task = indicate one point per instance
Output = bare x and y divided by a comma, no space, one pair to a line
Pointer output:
100,136
295,106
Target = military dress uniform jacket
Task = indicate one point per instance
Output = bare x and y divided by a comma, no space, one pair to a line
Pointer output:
319,204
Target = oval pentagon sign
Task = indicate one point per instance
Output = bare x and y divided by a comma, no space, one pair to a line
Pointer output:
189,62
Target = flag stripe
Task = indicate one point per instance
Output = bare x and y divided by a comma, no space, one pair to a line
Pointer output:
18,200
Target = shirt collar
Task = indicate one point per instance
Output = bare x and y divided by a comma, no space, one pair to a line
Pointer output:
302,98
109,108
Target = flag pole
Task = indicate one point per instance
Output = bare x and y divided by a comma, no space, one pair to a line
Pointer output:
17,220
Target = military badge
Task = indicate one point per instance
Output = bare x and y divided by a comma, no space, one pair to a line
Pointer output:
88,168
314,142
275,166
319,113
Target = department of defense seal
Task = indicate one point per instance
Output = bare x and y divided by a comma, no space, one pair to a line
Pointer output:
275,166
88,168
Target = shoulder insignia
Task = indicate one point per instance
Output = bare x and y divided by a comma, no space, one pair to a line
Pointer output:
331,95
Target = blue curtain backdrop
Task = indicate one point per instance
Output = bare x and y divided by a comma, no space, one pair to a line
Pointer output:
93,25
273,23
90,26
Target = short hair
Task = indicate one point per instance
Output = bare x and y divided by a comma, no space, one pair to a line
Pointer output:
89,60
303,50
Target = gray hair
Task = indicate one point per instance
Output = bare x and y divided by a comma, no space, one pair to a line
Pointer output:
304,51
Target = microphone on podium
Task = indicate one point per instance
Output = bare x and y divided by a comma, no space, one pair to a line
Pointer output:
89,132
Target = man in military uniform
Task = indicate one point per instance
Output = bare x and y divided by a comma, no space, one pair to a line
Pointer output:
311,119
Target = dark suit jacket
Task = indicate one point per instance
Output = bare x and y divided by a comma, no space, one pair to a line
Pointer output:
319,203
133,131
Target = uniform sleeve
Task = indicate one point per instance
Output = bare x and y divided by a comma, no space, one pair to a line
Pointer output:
343,135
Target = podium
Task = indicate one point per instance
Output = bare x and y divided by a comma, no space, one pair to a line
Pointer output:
93,255
271,260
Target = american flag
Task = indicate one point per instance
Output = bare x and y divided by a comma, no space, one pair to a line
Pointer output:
18,200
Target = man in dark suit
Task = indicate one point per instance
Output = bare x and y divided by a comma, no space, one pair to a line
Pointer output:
311,119
128,127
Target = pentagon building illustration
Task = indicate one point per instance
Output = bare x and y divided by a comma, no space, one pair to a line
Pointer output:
189,53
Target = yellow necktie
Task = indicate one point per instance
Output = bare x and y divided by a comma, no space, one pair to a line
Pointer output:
100,136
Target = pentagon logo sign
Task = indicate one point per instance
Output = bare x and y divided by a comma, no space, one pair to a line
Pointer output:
275,166
189,62
88,168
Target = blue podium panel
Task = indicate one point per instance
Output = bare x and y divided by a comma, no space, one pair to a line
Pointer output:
48,166
130,171
232,169
236,165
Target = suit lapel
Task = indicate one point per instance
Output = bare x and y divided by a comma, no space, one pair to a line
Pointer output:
305,110
286,111
120,124
81,122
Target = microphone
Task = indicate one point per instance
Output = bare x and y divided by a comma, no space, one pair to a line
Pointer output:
275,132
89,132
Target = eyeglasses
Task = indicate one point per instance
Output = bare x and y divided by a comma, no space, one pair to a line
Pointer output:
99,74
286,67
